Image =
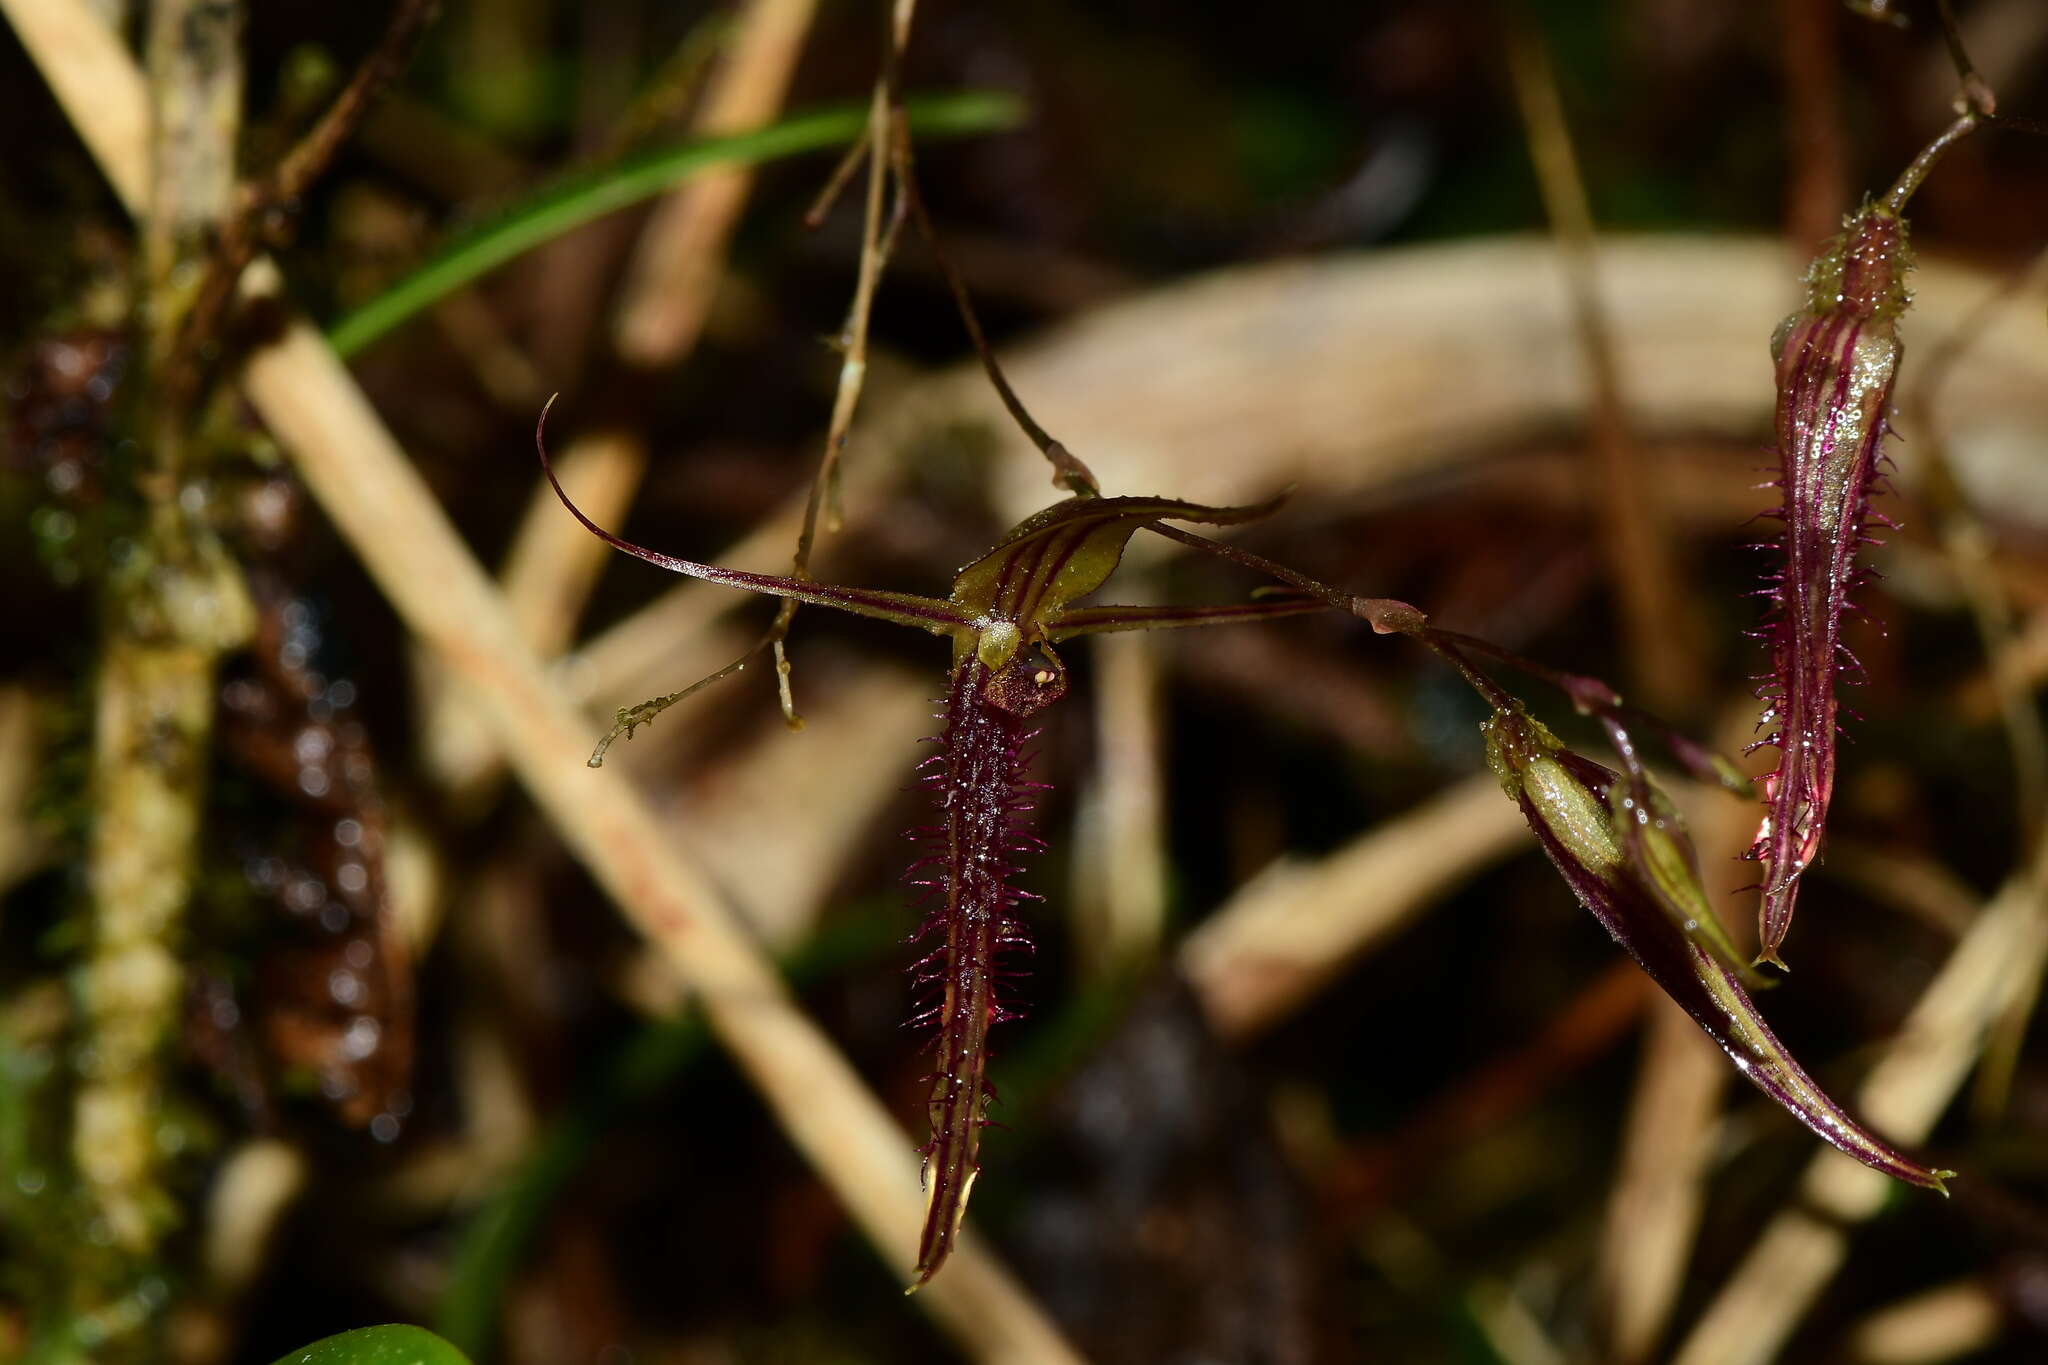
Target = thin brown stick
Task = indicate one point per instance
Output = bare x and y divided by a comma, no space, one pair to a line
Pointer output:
263,208
1659,623
1654,1209
836,183
1975,95
1815,145
24,843
1947,1322
1515,1333
383,508
671,89
877,244
1909,881
1970,545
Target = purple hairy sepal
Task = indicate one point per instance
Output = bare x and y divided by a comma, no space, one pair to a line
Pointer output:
1004,672
971,853
1619,846
1836,364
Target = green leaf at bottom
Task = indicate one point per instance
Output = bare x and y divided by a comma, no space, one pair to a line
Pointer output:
393,1344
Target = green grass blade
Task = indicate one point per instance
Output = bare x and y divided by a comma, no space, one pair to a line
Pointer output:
574,203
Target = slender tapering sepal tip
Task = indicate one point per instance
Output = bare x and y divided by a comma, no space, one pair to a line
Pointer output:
1618,845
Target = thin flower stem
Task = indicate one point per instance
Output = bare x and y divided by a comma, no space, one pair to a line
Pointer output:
1384,615
1910,180
1975,95
1069,471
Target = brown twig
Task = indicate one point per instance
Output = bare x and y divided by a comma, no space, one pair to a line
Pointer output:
1122,866
1969,543
680,257
1659,624
1653,1211
670,90
877,244
1813,125
1948,1322
23,844
264,209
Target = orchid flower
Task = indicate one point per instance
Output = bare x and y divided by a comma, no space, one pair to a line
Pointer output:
1006,615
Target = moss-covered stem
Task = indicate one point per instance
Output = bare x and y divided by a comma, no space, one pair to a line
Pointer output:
173,604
